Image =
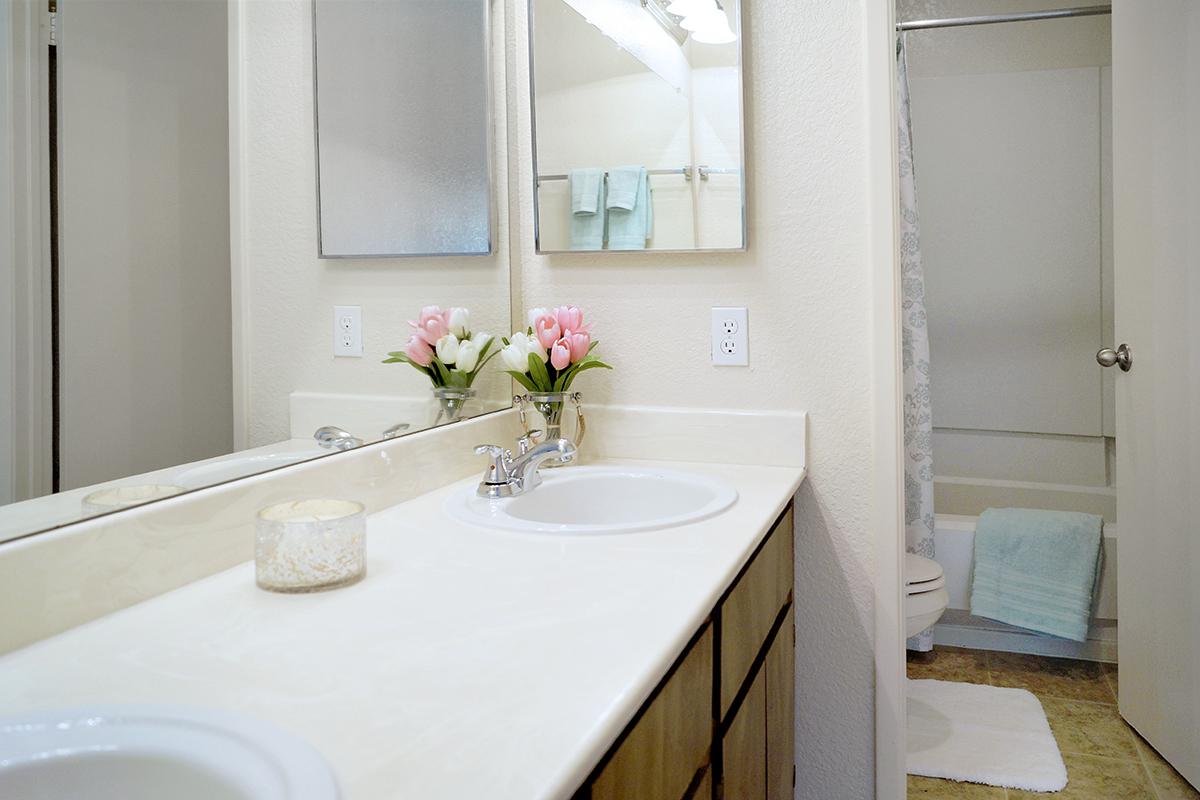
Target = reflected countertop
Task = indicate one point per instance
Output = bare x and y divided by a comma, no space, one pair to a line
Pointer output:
53,510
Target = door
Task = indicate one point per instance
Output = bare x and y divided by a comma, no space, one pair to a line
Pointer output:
144,355
1156,172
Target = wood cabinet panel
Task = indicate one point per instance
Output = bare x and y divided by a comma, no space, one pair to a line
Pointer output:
752,606
780,669
745,746
672,741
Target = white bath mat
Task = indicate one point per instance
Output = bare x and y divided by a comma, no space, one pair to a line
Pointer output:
982,734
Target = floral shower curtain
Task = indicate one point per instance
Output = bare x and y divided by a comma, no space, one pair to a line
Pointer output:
918,419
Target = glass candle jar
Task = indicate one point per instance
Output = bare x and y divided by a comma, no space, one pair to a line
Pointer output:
310,545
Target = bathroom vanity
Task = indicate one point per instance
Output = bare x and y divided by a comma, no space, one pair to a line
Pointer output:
471,661
724,714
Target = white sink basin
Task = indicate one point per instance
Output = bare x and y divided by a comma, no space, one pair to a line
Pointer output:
156,752
590,500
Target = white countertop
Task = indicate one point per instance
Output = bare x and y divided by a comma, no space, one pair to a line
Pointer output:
468,664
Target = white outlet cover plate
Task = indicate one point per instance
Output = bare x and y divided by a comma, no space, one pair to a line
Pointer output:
730,337
347,331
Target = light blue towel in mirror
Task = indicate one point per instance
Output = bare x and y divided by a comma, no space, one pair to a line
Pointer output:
630,208
1037,569
587,209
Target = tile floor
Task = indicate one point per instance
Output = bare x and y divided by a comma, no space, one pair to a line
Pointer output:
1105,759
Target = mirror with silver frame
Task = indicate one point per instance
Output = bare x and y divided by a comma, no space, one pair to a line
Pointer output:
638,138
403,125
170,323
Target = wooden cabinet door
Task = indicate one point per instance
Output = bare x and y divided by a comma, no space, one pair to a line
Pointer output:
672,741
745,745
780,668
752,606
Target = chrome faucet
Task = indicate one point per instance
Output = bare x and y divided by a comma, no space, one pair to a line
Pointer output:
508,477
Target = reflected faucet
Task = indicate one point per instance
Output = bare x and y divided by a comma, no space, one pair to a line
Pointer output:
508,477
332,437
396,430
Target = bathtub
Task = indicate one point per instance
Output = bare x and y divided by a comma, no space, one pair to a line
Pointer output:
954,543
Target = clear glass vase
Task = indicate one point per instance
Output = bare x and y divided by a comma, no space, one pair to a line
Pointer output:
561,417
452,404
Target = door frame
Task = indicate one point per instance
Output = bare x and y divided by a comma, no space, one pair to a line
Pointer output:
25,227
887,381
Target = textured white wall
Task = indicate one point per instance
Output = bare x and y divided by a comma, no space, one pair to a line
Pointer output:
289,291
805,280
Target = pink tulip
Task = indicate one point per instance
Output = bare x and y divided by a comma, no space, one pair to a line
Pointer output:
418,351
432,325
547,331
569,318
579,343
560,354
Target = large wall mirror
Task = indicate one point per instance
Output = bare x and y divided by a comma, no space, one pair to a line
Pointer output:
168,338
638,125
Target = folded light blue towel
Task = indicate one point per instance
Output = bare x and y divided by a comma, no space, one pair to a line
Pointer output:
1037,569
587,209
630,208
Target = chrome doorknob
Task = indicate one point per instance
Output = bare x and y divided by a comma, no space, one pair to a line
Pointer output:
1122,357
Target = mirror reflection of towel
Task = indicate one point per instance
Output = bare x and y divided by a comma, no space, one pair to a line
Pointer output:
587,208
630,210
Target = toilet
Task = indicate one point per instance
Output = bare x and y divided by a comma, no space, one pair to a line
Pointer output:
925,593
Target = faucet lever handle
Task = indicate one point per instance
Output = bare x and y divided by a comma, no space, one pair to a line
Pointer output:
530,440
497,470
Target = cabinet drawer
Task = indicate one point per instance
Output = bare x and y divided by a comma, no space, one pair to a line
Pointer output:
672,741
752,605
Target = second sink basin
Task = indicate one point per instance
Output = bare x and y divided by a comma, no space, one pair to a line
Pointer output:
140,752
595,500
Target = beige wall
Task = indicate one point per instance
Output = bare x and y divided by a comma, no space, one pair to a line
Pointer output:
287,293
805,280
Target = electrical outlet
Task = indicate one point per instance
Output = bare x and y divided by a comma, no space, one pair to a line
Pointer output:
347,331
730,344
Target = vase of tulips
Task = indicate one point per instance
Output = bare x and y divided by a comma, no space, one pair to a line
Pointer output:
444,349
546,358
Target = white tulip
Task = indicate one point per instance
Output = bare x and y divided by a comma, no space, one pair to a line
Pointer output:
535,314
530,344
458,320
515,358
447,348
468,356
481,340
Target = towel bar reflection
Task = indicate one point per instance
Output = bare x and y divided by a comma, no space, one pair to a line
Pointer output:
686,171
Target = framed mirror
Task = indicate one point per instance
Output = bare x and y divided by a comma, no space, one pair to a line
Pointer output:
171,323
638,139
403,118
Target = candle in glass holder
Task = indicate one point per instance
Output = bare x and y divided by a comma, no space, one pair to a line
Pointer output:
310,545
